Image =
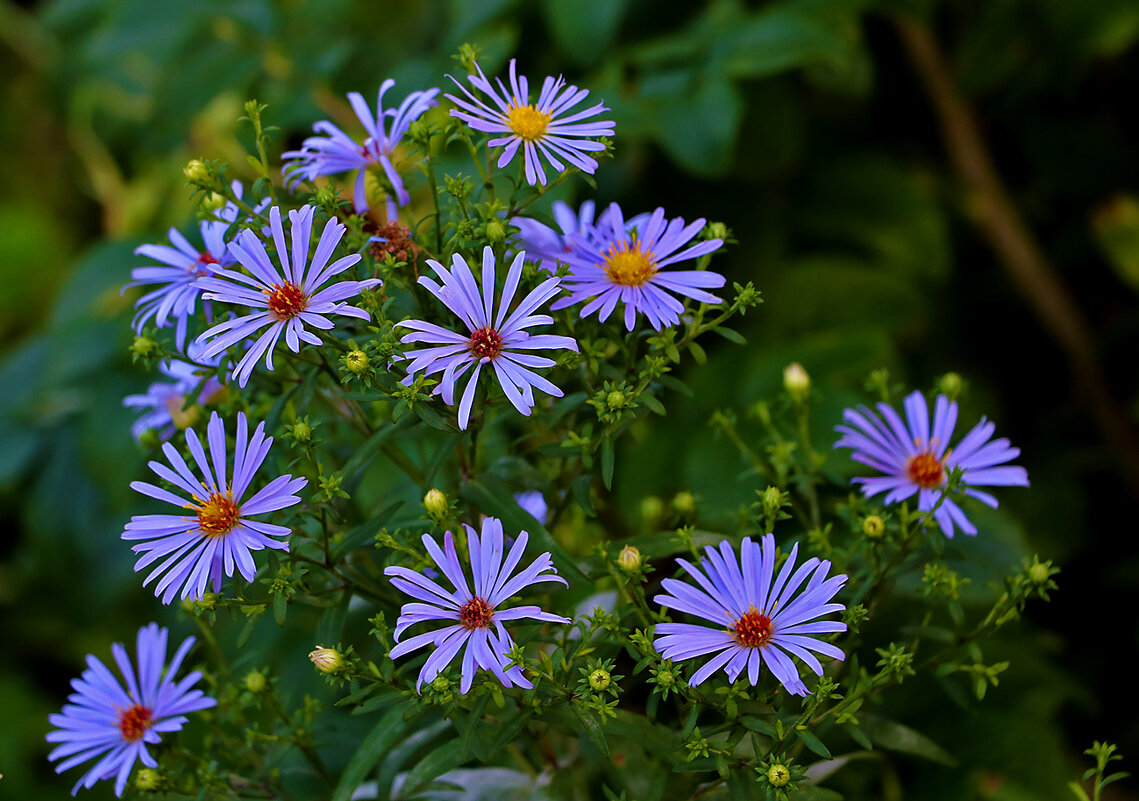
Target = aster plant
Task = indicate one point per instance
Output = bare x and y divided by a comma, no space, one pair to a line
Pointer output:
614,263
288,297
918,458
496,336
769,618
752,656
472,613
111,721
547,129
333,151
190,552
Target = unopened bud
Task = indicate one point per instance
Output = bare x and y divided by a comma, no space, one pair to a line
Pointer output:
212,201
616,400
357,361
435,502
255,681
629,559
652,508
495,231
950,385
144,346
873,526
197,172
796,381
684,503
599,679
327,660
717,230
147,780
778,775
302,431
772,500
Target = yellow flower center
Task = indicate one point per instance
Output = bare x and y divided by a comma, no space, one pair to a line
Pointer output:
217,514
626,264
527,122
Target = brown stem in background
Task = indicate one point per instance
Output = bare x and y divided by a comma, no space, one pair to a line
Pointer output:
1002,225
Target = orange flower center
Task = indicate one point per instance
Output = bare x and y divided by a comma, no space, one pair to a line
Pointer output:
753,629
925,470
286,300
626,264
134,722
486,343
526,121
218,514
475,614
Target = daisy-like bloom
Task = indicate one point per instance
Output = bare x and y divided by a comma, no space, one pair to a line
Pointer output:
545,246
493,338
758,616
336,152
474,618
918,459
618,263
285,301
214,534
544,129
112,723
167,405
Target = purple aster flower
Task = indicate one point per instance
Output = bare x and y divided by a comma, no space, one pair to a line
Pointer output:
493,338
757,619
474,619
113,723
545,246
165,402
534,504
541,128
290,299
619,263
918,459
336,152
193,549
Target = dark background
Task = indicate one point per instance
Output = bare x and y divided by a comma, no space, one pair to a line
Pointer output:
839,140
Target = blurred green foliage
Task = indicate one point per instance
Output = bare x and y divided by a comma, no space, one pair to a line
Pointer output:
796,122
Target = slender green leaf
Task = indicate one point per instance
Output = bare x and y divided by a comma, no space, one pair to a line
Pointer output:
386,733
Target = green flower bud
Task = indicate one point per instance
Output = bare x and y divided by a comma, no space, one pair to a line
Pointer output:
212,201
950,385
357,361
327,660
665,678
778,775
797,382
629,559
495,231
148,780
144,346
873,526
302,431
599,679
684,503
616,400
717,230
255,681
652,508
197,172
772,500
435,502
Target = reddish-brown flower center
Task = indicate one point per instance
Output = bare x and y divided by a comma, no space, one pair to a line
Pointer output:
134,722
486,343
475,614
286,300
753,629
925,470
199,268
218,514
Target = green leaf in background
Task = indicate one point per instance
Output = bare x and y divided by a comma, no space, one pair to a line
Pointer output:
896,737
584,29
387,732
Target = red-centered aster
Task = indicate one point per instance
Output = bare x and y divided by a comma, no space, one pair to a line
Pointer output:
759,617
473,619
494,338
284,299
616,262
112,723
336,152
213,535
545,129
918,458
